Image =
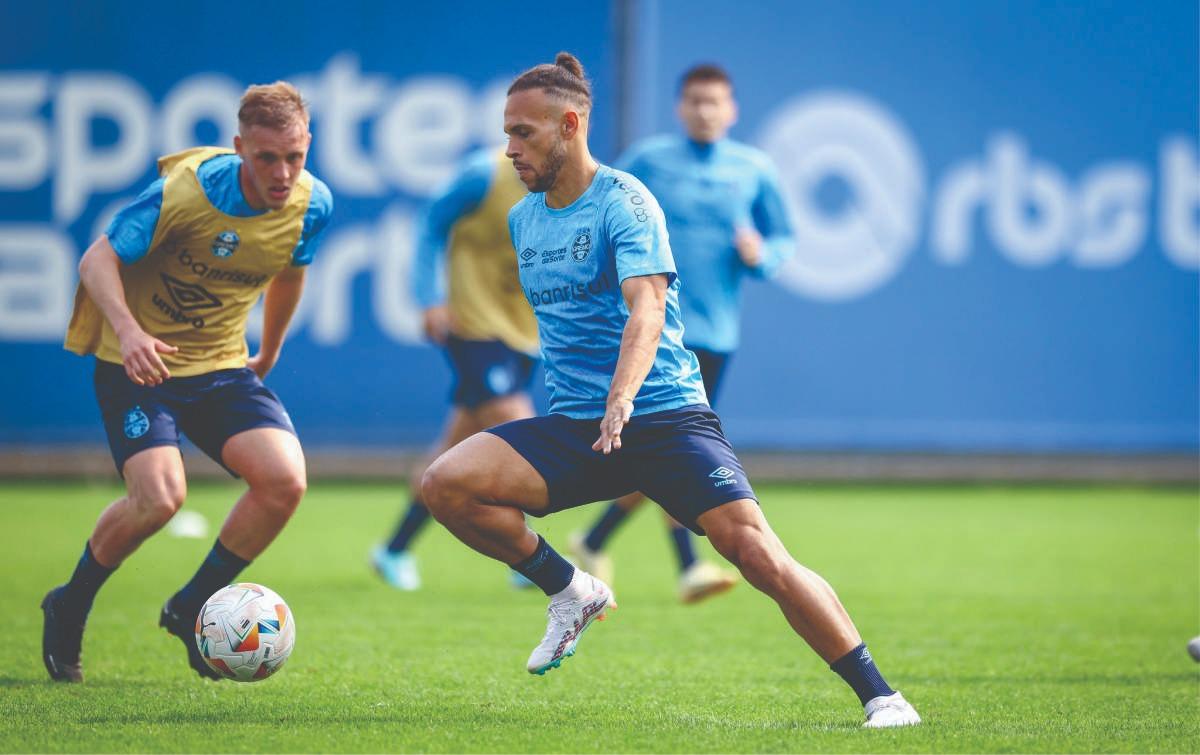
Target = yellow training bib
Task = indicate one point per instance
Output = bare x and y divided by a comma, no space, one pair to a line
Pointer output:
485,295
204,271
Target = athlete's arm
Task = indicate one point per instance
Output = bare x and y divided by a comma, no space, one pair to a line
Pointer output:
766,246
461,197
646,298
279,304
99,271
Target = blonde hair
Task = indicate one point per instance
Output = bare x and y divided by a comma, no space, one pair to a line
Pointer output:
277,105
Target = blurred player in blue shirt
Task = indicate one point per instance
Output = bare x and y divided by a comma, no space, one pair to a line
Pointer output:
627,405
726,217
480,318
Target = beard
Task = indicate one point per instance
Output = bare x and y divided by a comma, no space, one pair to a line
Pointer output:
549,173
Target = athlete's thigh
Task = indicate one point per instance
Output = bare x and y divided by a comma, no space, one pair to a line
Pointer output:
228,403
264,455
155,473
492,472
559,449
686,465
136,417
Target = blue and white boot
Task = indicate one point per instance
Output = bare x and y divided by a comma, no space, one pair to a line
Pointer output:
397,569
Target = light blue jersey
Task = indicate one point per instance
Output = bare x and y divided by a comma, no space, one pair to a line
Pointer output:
707,192
132,229
572,262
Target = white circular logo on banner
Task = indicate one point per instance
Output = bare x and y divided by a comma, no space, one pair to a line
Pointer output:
835,146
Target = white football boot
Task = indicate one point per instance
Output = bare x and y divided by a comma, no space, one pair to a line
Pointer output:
571,611
891,710
596,563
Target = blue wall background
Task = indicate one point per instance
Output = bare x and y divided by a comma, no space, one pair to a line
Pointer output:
998,203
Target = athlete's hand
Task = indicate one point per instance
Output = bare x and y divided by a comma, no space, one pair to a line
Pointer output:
616,416
261,364
437,321
748,243
140,356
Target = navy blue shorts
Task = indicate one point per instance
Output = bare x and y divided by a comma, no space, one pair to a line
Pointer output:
209,409
679,458
486,370
712,370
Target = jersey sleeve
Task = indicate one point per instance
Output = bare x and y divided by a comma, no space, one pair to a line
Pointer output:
132,229
631,160
316,218
637,231
769,213
462,196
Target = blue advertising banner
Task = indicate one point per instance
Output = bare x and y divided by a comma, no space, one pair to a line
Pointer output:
91,94
997,208
997,205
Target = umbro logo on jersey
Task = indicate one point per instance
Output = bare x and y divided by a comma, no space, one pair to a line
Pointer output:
189,296
528,254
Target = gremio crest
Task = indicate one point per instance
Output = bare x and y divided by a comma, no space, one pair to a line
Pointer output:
225,244
582,245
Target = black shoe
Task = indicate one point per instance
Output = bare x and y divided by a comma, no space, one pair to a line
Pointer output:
61,641
185,630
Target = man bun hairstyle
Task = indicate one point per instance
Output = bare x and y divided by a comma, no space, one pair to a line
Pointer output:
563,80
277,105
703,73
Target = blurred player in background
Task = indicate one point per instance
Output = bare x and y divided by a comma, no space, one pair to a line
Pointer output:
485,325
628,410
726,218
163,300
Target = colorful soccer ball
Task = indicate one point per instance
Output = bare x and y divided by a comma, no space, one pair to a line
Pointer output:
245,632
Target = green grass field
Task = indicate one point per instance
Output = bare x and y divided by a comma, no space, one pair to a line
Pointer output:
1015,619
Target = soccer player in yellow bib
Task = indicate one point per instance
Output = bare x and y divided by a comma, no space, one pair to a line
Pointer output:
163,300
483,323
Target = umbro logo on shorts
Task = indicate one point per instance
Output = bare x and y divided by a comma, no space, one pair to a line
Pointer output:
724,474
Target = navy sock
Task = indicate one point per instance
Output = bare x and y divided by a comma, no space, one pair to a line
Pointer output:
76,597
546,569
220,567
409,526
682,537
604,526
858,669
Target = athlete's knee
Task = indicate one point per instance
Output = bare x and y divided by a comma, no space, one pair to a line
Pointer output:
755,552
281,489
441,488
155,499
763,565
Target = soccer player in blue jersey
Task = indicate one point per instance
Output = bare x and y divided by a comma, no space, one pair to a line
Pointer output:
726,218
163,301
628,410
481,319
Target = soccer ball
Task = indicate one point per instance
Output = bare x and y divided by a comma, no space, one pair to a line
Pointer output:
245,632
